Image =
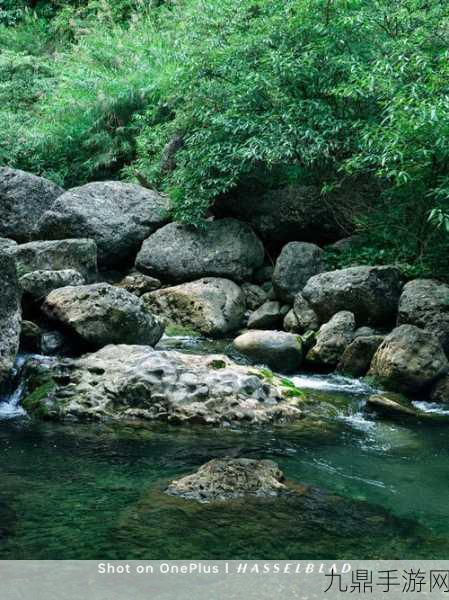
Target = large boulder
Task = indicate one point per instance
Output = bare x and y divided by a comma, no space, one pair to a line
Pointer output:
290,213
307,319
10,315
39,284
117,215
225,248
371,293
103,314
296,264
332,340
356,358
409,360
425,303
279,350
23,200
211,306
59,255
268,316
137,382
226,478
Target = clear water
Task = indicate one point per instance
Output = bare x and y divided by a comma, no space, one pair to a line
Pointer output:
373,489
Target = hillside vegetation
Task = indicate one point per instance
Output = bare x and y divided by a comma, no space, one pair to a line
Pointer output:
250,93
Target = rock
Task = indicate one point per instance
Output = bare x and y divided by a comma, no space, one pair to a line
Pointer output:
10,315
409,360
346,244
7,244
226,478
305,315
225,248
139,284
117,215
60,255
23,200
103,314
255,296
371,293
136,382
365,332
356,358
53,342
332,340
267,316
30,336
211,306
425,303
263,274
440,391
279,350
39,284
290,213
291,323
391,405
296,264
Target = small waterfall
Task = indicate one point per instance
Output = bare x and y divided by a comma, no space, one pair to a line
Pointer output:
10,407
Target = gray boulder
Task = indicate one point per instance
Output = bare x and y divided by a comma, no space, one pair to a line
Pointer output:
440,391
279,350
211,306
267,316
225,248
425,303
59,255
117,215
10,315
356,358
291,323
306,317
296,264
332,340
39,284
23,200
139,284
255,296
136,382
8,245
227,478
409,360
371,293
103,314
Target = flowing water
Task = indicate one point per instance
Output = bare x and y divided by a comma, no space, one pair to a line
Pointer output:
378,489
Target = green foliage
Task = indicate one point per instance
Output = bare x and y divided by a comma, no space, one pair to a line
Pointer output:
259,91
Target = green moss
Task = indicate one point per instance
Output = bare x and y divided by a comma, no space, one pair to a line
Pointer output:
217,364
172,330
35,402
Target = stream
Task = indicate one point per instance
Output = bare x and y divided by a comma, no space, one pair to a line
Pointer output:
95,491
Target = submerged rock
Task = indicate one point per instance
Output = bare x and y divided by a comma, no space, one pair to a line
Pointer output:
227,478
356,358
211,306
279,350
23,200
137,382
117,215
10,314
332,340
295,265
409,360
225,248
103,314
58,255
425,303
371,293
39,284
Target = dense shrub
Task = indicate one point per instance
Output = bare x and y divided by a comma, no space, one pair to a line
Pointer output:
254,91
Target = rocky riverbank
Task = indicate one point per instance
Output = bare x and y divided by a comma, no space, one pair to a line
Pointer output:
94,275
